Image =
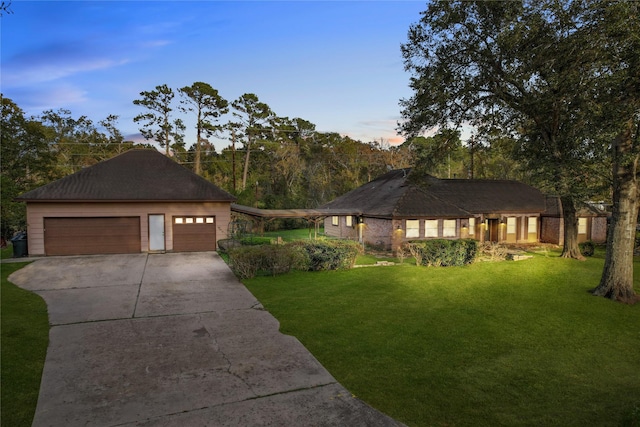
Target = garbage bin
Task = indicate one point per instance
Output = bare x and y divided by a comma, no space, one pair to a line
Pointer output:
19,243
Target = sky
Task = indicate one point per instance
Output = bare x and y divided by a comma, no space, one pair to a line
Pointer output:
336,64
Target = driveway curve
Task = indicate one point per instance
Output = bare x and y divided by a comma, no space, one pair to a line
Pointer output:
174,340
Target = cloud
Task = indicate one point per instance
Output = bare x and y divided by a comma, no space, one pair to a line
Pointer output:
37,98
56,61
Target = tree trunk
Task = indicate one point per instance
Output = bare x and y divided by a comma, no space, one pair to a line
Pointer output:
199,133
246,166
616,282
233,159
570,248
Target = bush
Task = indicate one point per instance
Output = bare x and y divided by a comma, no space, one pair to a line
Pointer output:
492,251
587,248
246,261
226,244
280,259
330,254
443,252
255,240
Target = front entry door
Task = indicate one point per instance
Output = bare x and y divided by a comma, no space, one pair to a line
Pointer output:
156,232
494,230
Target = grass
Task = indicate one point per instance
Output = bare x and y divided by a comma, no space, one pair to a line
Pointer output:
25,337
7,252
296,234
510,343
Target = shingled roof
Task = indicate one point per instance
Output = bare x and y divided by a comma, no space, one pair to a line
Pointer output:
135,175
395,194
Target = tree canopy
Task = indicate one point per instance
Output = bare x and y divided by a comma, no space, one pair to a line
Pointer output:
543,74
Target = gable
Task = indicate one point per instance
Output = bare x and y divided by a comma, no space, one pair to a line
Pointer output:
135,175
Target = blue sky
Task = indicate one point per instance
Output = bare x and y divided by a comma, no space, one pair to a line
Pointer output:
336,64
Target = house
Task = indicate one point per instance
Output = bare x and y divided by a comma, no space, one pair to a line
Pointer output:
592,222
398,207
138,201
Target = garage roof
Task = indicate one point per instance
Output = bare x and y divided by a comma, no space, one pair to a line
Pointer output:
135,175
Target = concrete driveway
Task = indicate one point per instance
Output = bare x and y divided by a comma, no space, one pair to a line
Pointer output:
174,340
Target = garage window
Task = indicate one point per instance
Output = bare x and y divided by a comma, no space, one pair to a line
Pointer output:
193,220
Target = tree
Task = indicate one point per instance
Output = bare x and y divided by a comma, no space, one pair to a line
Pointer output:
253,117
208,106
433,155
157,123
5,7
27,163
512,66
613,31
561,78
72,141
112,142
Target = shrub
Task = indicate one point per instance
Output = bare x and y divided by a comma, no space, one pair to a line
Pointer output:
587,248
280,259
246,261
330,254
255,241
492,251
443,252
226,244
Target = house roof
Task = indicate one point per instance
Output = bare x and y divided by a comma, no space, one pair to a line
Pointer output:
400,194
135,175
587,209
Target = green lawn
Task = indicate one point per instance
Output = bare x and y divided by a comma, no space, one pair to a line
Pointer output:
25,337
296,234
510,343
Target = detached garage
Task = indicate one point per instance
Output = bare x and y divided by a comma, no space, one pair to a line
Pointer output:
138,201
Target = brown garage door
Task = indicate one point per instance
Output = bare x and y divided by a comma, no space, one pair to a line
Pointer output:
86,236
194,233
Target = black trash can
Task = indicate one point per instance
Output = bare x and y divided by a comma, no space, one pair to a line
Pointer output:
19,243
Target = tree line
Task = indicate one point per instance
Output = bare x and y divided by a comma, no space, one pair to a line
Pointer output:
270,162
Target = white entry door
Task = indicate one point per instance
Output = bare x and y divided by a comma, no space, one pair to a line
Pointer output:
156,232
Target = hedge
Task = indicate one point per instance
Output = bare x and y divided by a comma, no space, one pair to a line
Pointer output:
330,254
443,252
246,261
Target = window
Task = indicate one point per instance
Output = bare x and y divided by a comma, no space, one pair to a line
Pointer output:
413,228
335,220
194,220
532,226
349,221
472,226
582,225
431,228
449,228
511,225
